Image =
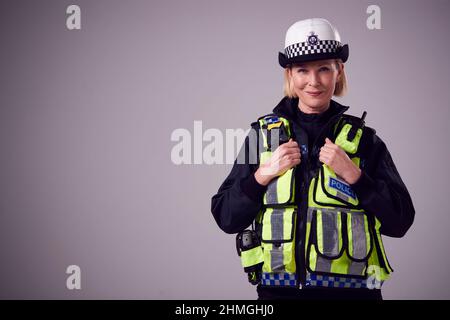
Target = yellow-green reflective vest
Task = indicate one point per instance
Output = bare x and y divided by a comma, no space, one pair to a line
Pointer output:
343,245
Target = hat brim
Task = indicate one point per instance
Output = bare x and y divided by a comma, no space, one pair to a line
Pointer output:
341,53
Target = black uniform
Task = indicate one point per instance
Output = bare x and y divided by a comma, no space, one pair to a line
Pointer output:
380,190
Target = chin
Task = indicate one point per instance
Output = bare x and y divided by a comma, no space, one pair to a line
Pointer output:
315,103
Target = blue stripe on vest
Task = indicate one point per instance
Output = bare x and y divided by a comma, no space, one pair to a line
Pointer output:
279,279
314,280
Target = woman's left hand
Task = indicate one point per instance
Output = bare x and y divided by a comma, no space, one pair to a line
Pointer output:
336,158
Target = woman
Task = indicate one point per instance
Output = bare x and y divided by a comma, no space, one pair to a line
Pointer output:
324,187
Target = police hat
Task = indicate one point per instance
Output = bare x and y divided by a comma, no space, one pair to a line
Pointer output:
312,39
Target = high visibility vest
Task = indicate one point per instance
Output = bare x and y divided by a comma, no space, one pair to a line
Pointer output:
343,245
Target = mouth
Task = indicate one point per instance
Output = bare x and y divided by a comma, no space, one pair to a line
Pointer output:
314,93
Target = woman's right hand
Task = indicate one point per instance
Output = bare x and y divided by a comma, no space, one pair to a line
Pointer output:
284,158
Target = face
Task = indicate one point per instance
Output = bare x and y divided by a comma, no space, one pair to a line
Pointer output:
314,84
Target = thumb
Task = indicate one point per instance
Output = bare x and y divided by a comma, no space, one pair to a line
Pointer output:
327,140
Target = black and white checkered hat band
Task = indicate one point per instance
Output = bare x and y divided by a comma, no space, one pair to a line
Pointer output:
303,48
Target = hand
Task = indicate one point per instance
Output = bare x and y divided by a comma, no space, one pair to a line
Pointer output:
336,158
284,157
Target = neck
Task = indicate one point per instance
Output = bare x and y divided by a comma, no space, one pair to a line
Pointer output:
307,109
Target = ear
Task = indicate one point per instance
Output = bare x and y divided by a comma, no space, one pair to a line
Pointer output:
289,72
340,70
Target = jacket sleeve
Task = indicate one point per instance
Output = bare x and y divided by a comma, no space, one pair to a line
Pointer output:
239,198
382,192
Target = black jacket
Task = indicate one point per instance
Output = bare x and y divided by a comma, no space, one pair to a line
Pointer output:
380,190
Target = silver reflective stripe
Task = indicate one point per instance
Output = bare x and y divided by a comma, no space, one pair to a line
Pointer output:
271,193
342,196
276,254
276,223
340,210
276,258
359,244
323,265
356,268
358,237
330,233
330,240
310,214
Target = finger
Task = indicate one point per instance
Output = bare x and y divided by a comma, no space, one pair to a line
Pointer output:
323,160
331,145
289,160
294,161
292,144
286,146
295,156
325,156
292,150
291,156
286,151
327,148
326,152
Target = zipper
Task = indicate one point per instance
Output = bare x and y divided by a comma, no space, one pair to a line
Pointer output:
302,227
302,210
303,207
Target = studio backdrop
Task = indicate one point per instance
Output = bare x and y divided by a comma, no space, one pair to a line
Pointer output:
119,120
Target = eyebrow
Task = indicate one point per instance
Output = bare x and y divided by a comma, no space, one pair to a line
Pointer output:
327,64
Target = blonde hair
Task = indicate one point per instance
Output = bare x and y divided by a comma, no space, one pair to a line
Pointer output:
339,90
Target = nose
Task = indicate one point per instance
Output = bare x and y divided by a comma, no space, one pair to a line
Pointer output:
314,79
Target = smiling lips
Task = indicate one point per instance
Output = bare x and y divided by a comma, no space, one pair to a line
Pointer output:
314,93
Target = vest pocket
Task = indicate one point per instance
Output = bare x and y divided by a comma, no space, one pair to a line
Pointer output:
339,243
329,190
280,190
277,240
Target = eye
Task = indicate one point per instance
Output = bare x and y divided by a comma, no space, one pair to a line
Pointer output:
302,70
324,69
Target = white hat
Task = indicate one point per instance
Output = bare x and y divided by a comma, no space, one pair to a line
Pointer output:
312,39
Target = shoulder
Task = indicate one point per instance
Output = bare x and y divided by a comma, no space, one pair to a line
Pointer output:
371,138
372,146
269,117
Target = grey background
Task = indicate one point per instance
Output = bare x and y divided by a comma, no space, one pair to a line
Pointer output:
86,118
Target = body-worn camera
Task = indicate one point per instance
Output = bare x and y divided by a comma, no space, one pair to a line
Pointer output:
249,248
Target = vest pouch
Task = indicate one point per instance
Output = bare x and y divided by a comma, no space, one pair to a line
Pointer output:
330,190
339,243
278,240
359,242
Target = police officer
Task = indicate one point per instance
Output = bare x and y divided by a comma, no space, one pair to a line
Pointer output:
319,196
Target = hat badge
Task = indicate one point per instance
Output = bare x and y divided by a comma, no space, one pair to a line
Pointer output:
312,38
